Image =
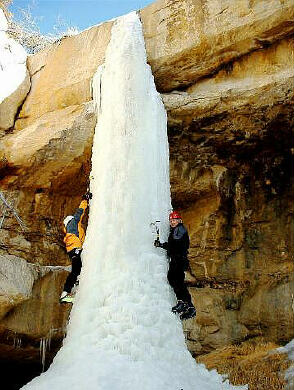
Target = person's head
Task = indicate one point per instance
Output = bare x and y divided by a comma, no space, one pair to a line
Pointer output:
174,219
67,219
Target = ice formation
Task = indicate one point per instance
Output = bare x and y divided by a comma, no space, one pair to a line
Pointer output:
289,373
122,334
12,61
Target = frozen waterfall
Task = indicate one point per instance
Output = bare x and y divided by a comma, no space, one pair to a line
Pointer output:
122,334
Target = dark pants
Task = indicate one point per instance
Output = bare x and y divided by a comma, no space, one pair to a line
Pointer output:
176,278
75,257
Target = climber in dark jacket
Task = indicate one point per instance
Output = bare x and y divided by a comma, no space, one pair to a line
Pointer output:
74,239
177,250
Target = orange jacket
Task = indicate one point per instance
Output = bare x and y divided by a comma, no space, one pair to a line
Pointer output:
74,232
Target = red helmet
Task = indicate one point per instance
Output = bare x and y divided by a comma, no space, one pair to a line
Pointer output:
174,215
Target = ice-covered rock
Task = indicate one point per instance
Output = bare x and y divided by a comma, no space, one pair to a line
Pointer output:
14,77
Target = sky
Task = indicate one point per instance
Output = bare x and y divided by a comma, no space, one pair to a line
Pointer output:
78,13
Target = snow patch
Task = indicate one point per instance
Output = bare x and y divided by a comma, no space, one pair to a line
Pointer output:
3,21
289,374
288,349
12,61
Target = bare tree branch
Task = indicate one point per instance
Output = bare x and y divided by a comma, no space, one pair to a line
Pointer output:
25,29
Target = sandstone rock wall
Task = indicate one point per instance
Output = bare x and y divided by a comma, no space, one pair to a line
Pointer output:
229,104
187,40
226,76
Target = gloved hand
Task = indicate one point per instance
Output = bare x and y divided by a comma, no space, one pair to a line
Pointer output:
157,243
88,195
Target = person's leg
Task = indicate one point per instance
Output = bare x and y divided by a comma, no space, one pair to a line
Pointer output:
176,278
75,256
183,292
174,274
172,277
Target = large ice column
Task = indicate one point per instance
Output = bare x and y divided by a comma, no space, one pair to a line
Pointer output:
122,334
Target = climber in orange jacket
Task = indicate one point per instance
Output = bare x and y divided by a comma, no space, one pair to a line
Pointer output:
74,239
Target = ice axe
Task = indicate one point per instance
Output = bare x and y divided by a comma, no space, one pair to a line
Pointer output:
156,227
90,177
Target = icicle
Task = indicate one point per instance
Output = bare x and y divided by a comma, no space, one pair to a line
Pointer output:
17,341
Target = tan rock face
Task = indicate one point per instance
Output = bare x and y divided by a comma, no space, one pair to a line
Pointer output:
241,231
54,134
257,87
16,282
29,308
189,39
215,325
231,152
38,165
46,293
62,74
231,164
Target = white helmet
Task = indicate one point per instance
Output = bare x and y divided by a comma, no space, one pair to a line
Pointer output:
67,219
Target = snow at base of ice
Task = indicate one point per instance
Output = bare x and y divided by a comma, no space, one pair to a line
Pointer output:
122,334
289,374
12,61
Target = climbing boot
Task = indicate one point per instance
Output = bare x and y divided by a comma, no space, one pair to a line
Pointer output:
190,312
66,297
180,307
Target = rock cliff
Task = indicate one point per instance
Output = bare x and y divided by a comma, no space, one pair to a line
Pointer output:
226,77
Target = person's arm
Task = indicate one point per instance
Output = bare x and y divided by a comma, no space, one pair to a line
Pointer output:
78,215
181,239
72,226
158,244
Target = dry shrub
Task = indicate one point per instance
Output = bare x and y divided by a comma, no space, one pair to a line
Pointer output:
250,363
5,3
25,28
